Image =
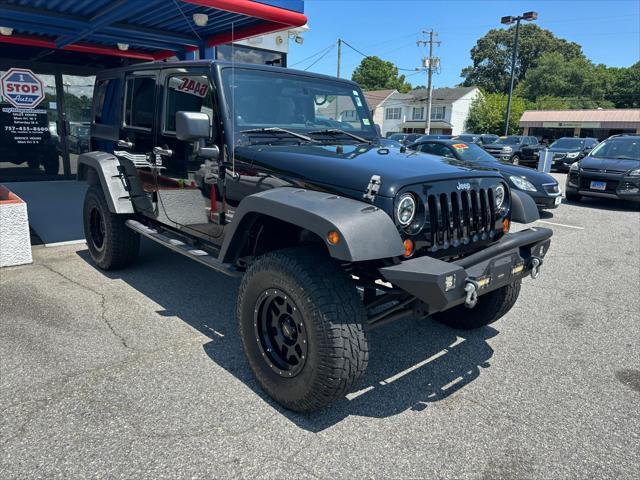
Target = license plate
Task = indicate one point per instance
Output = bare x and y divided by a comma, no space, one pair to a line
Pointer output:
558,200
598,185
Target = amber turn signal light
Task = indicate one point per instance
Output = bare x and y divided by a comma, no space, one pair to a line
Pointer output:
506,224
408,247
333,237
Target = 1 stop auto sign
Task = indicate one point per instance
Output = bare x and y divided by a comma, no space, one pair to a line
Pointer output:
21,88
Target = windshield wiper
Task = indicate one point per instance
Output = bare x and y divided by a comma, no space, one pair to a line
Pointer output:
337,131
280,130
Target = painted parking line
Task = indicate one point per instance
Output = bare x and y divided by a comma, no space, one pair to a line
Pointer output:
560,224
61,244
353,395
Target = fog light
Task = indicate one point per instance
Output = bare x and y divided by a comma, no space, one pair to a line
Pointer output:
408,248
506,224
483,281
449,282
333,237
517,269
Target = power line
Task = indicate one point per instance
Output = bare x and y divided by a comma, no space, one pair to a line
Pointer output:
311,56
354,48
321,57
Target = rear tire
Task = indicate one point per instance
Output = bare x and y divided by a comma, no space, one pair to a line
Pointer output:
111,243
490,307
301,323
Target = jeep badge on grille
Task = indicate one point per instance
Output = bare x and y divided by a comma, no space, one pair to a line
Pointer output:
464,186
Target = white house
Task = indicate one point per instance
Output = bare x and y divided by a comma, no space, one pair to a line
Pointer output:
406,112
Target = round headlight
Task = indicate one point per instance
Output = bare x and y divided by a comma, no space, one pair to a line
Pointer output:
499,192
406,209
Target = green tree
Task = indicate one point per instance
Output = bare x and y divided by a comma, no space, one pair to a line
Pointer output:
373,73
577,81
491,56
624,88
487,111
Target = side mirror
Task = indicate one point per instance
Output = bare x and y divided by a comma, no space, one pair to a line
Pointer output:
192,126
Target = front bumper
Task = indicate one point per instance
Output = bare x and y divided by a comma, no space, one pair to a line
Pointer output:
441,285
499,154
545,200
617,187
562,163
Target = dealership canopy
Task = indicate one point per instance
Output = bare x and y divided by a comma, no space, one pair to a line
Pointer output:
141,30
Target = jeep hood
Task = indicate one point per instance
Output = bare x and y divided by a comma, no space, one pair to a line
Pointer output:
352,166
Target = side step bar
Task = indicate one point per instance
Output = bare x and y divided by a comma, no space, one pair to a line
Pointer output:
177,245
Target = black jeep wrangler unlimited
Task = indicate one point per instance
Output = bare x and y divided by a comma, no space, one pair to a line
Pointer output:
235,167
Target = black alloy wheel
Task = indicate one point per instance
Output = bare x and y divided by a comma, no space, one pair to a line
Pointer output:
280,332
97,229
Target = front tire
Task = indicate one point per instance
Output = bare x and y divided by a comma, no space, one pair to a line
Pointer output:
111,243
490,307
301,323
515,159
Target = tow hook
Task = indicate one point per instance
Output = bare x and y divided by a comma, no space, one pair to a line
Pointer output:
471,288
536,263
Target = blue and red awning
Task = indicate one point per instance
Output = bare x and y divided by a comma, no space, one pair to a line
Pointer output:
150,29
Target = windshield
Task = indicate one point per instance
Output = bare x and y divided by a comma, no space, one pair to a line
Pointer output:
624,148
470,152
568,143
266,99
510,141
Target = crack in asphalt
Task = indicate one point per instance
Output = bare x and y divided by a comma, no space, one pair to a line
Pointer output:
103,305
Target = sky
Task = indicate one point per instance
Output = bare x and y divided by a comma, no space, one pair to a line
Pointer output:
608,31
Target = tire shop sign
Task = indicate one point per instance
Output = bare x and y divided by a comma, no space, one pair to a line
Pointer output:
21,88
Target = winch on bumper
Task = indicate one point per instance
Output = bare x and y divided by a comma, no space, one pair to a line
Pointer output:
442,285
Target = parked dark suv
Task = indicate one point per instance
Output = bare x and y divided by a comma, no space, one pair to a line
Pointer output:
517,149
332,233
611,170
567,150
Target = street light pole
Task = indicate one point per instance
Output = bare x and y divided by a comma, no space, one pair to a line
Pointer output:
528,16
514,56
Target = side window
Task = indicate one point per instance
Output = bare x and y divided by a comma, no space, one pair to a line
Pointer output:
139,102
106,101
533,140
426,148
186,93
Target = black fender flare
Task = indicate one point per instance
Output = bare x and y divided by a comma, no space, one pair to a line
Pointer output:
366,232
523,208
123,197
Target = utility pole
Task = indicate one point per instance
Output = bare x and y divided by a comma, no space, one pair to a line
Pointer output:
429,63
339,55
338,72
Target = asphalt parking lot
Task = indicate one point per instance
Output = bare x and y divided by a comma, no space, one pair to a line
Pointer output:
140,374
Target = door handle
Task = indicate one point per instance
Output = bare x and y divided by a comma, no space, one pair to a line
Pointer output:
125,144
162,152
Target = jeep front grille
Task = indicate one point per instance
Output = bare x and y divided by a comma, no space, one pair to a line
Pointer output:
460,217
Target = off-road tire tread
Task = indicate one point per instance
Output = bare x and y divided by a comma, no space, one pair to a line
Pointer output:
490,308
339,322
122,244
